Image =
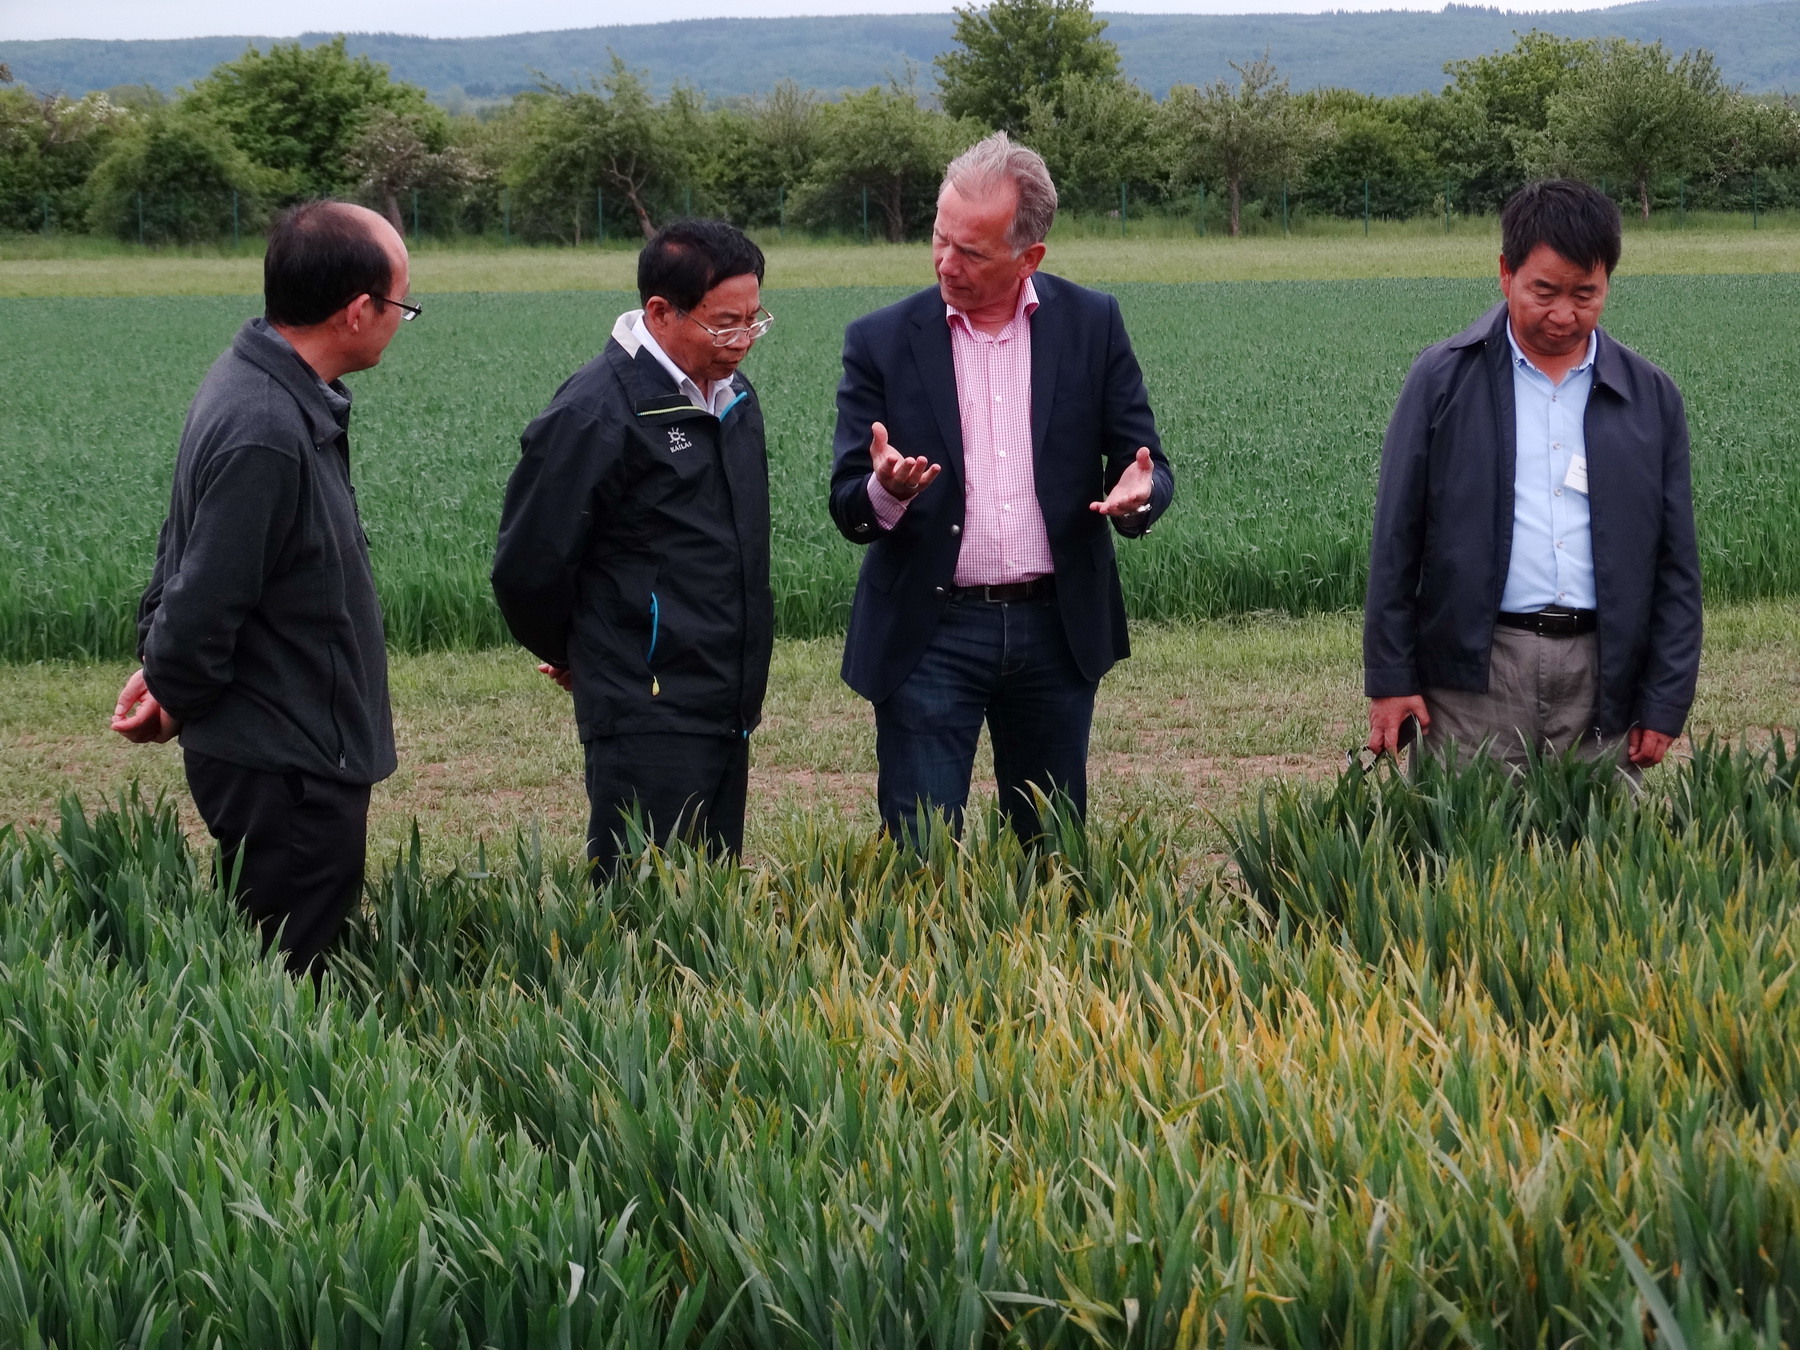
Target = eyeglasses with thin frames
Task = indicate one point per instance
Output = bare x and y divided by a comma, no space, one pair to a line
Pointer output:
725,337
408,310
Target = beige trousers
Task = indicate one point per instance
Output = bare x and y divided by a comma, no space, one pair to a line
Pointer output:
1542,692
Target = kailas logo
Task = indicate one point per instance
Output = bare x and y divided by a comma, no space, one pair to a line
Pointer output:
678,440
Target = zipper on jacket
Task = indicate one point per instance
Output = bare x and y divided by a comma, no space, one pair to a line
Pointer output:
655,625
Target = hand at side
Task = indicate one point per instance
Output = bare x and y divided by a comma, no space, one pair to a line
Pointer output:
139,718
1388,715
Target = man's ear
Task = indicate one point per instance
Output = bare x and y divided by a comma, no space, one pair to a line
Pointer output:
357,313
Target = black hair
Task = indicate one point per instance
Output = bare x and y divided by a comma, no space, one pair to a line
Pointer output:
686,258
1578,221
321,257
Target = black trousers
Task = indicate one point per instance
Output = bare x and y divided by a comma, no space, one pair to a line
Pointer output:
691,786
303,841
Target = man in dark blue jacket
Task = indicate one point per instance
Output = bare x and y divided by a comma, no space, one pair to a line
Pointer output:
1534,584
989,430
261,633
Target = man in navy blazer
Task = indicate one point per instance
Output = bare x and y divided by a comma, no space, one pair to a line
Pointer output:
1534,583
993,433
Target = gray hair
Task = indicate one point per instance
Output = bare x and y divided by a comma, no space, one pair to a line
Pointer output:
988,163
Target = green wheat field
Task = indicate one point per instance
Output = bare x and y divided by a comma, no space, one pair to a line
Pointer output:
1271,398
1364,1063
1460,1063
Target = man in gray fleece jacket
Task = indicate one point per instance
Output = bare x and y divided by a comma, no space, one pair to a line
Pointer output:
260,633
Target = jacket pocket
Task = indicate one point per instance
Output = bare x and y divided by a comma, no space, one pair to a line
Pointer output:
655,610
879,569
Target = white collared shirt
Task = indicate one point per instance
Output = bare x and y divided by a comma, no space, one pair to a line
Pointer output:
1552,560
632,333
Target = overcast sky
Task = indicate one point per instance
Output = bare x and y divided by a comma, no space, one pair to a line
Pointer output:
20,19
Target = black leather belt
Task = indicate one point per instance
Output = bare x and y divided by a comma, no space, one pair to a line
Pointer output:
1555,623
1013,591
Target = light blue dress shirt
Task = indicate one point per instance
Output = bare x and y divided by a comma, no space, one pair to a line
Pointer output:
1553,543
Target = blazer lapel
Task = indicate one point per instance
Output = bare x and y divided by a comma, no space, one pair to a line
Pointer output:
1046,348
937,372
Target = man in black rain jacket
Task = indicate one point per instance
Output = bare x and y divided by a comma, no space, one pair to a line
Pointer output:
633,557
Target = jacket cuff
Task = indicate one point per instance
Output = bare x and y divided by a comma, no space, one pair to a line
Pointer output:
1667,718
1390,682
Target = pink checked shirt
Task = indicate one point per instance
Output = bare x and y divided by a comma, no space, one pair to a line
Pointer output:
1003,538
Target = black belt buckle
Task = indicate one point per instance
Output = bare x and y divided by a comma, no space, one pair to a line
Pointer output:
1552,623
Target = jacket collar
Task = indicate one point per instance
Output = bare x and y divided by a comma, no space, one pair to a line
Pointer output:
1609,360
269,352
648,385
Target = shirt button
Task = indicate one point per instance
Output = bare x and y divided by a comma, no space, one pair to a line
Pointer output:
996,398
1002,454
1007,506
1556,445
1559,492
1559,543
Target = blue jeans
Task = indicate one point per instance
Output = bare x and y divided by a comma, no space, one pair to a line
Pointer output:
1009,664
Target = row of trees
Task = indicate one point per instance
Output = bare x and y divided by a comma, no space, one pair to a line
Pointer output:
566,163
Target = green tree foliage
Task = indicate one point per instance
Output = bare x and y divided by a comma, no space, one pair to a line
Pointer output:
299,110
881,140
1257,132
180,168
1013,51
611,136
1383,143
49,146
1632,112
1495,108
397,154
1098,134
762,150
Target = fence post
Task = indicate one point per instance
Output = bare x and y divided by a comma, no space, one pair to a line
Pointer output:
140,201
781,211
600,215
1446,206
1284,210
1755,203
1365,208
236,238
1684,201
865,215
415,213
1202,216
506,215
1124,212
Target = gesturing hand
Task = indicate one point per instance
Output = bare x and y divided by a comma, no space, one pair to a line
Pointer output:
1131,494
139,718
559,674
899,476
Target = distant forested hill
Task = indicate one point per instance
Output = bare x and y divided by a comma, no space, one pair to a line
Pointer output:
1391,52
